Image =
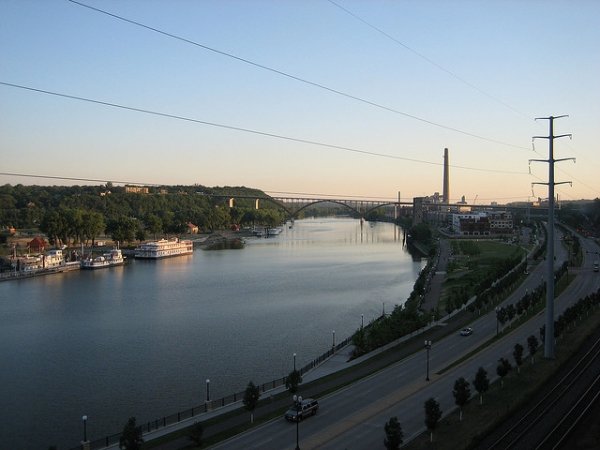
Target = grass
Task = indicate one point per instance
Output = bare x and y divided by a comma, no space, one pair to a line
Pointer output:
466,270
500,403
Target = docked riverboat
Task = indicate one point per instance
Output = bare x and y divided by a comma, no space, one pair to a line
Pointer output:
164,249
114,258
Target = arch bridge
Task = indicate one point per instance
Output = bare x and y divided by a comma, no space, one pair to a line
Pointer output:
295,205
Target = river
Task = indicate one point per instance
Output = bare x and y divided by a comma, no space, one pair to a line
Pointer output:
140,340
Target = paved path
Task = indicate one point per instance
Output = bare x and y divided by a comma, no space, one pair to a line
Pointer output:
432,296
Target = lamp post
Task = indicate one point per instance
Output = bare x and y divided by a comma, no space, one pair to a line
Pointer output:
207,390
333,340
84,418
427,347
294,362
298,402
362,321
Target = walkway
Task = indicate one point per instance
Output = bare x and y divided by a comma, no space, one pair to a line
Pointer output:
434,292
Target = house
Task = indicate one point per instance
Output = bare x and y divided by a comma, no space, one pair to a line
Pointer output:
192,229
36,245
136,189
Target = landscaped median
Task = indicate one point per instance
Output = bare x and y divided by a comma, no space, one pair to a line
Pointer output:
519,388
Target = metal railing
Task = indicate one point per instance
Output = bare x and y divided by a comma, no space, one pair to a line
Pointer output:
172,419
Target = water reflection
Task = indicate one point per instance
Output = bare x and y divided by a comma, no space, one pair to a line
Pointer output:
139,340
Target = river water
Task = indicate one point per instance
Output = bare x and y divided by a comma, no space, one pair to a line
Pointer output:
141,340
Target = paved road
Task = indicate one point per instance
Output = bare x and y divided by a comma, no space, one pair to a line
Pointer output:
354,417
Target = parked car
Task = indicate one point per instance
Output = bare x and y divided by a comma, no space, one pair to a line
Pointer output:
308,407
466,331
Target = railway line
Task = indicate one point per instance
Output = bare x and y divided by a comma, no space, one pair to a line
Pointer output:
559,407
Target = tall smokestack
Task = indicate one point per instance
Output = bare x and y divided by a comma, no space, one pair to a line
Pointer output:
446,190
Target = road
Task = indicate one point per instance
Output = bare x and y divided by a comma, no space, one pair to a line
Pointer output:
353,417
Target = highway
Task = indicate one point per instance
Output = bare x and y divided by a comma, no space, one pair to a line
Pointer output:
353,417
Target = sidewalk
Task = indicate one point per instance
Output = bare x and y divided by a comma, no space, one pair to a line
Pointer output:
335,363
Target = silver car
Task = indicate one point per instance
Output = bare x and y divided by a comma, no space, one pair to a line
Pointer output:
308,407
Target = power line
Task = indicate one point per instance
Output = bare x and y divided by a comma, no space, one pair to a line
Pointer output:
138,183
248,130
429,60
92,180
294,77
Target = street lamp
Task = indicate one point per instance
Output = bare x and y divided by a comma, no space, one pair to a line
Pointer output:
207,390
84,418
298,402
427,347
294,362
333,340
362,321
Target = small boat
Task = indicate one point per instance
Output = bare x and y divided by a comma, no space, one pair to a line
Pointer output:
114,258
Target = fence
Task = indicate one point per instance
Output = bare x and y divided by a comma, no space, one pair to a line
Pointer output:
210,405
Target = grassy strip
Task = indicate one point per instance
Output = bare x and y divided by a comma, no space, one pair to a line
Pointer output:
319,387
562,284
500,403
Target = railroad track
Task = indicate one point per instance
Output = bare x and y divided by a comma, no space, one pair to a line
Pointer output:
548,422
556,438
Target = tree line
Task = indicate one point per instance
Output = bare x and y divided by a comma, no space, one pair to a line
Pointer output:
79,214
481,383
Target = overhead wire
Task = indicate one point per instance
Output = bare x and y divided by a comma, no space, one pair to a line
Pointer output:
248,130
296,78
266,191
429,60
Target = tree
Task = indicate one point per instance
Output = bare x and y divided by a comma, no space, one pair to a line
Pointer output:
195,433
502,315
462,393
93,225
481,383
393,434
433,414
502,370
518,355
122,229
131,437
251,396
533,344
154,225
292,381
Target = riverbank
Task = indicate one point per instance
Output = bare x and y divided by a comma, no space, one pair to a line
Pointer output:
122,334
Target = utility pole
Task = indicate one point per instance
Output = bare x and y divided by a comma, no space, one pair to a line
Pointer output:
549,333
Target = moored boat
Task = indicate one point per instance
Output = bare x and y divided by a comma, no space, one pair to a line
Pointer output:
114,258
164,249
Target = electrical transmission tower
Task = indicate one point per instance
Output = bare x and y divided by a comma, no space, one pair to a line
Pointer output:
549,332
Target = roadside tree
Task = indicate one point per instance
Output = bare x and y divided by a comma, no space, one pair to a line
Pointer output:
251,396
533,344
292,381
502,370
462,393
433,414
131,437
518,355
393,434
481,383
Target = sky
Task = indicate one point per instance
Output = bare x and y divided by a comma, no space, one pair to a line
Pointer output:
341,98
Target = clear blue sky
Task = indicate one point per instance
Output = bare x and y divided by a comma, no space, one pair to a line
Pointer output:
481,67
